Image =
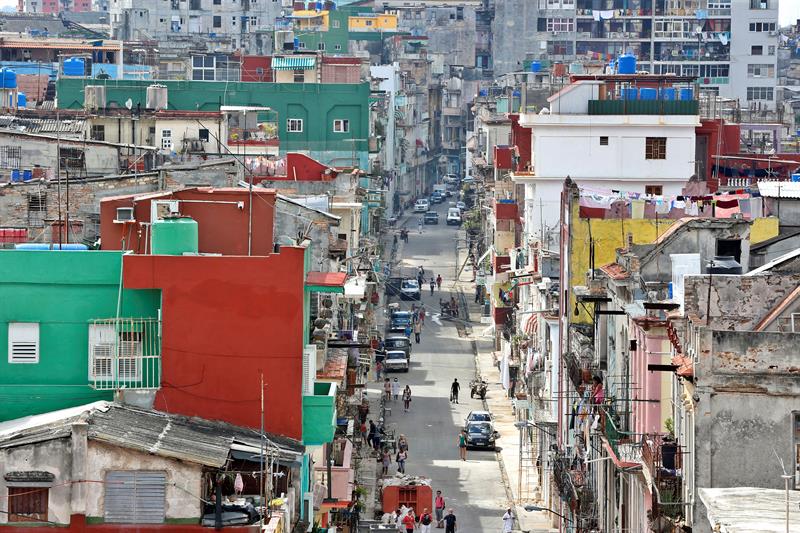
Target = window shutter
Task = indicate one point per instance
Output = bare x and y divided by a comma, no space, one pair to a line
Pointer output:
135,497
23,342
101,351
309,369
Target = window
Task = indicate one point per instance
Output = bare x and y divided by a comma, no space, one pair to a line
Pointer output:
203,134
762,26
560,25
299,76
28,504
604,141
301,45
459,13
203,68
760,93
217,2
655,148
335,24
759,4
294,125
730,247
321,46
135,497
653,190
23,342
195,5
233,21
761,71
771,50
37,209
368,22
217,21
72,159
166,139
10,156
337,47
756,50
341,126
98,132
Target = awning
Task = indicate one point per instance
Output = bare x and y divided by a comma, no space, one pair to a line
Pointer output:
293,63
531,326
326,281
355,287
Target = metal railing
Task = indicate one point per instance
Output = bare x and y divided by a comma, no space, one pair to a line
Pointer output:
125,353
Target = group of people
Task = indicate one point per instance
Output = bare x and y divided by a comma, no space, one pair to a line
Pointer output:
407,521
391,391
401,456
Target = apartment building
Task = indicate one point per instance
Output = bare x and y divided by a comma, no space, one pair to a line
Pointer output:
730,45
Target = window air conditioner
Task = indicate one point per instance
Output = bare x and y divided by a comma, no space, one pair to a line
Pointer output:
124,214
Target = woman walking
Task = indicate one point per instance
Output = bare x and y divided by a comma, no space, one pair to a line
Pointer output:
400,459
417,331
386,460
433,285
462,445
387,389
439,281
406,398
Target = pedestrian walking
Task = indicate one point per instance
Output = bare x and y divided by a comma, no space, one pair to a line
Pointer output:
396,389
417,330
439,281
455,387
408,521
406,398
508,521
433,285
438,508
420,225
364,433
450,522
398,521
378,370
462,445
371,433
386,460
394,240
387,389
425,521
408,330
422,314
400,459
402,443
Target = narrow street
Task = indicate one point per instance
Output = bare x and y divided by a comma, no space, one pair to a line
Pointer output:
474,489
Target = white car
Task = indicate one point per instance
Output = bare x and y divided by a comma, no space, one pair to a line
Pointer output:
395,360
478,416
422,206
461,206
454,216
409,290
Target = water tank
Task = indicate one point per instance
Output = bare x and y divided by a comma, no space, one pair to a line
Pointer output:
668,93
724,264
74,66
16,175
795,177
536,66
483,92
626,64
576,67
648,93
22,100
174,236
296,43
27,175
687,94
70,247
94,97
630,93
9,78
157,97
559,70
32,246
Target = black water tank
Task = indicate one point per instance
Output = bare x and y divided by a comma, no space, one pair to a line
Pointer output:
724,264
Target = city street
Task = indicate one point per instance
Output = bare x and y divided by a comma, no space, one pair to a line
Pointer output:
474,489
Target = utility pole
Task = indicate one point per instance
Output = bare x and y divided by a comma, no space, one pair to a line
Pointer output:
261,455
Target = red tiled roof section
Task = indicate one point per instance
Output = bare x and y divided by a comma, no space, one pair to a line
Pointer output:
685,366
615,271
335,367
326,279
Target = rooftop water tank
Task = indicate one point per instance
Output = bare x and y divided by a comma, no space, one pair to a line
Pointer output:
483,92
22,100
32,246
687,94
156,97
576,67
174,236
74,66
94,97
648,93
630,93
70,247
795,177
668,93
626,64
536,66
8,78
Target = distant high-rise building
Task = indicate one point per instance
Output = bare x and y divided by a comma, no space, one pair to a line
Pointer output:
54,6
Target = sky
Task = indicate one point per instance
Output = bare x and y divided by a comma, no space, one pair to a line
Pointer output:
788,14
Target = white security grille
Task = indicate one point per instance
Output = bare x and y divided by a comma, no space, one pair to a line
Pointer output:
125,353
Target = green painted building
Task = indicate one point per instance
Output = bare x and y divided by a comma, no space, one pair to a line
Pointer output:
53,304
317,105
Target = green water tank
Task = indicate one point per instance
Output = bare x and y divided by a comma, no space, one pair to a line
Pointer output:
174,236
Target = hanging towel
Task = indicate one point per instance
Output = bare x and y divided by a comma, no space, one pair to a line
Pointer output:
756,207
596,16
723,38
607,14
662,206
238,484
692,209
726,208
637,208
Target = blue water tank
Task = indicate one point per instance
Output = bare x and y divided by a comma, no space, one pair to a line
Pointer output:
626,64
630,93
74,66
16,175
8,78
515,93
648,93
668,93
536,66
483,92
687,94
795,177
70,247
31,246
296,43
27,175
22,100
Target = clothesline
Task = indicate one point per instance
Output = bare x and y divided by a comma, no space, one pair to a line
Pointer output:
640,206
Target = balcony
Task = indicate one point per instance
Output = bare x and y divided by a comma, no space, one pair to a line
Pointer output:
663,458
125,353
319,414
643,107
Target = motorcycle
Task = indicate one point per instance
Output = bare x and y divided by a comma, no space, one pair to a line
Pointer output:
478,388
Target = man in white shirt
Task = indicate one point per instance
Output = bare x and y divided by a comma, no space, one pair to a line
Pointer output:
508,521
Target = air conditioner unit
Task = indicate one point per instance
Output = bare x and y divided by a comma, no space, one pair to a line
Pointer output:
161,209
124,214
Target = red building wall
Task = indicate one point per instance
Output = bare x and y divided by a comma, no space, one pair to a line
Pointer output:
224,321
503,157
521,138
256,68
223,228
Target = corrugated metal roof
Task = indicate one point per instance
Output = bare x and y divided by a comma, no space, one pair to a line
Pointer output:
293,63
42,125
206,442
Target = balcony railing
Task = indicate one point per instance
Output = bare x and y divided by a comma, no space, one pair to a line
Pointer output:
643,107
125,353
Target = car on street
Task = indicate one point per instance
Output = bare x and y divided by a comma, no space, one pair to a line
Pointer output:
399,320
431,217
481,435
398,343
478,416
422,206
409,290
453,216
437,197
450,179
461,206
395,360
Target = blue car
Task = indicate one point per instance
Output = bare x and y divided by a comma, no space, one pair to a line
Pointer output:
399,321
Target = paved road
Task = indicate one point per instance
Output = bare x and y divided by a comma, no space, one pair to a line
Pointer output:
473,488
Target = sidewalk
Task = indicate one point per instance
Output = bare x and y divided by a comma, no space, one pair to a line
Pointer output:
499,404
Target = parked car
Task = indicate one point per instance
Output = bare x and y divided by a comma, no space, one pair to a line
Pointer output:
461,206
398,342
478,416
398,321
409,290
395,360
450,179
422,206
481,435
437,197
431,217
453,216
392,286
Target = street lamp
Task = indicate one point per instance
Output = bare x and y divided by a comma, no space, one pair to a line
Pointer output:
530,508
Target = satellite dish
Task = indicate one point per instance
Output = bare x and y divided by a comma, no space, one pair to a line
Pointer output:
129,103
